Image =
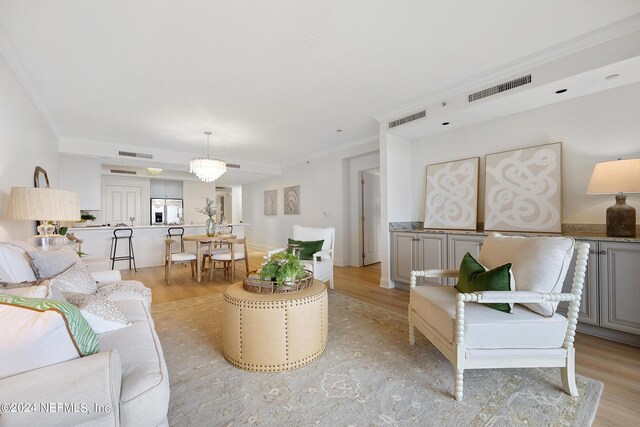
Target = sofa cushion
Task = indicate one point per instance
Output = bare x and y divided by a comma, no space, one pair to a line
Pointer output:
47,264
75,279
473,277
102,315
38,332
307,248
539,264
145,383
485,328
15,265
122,290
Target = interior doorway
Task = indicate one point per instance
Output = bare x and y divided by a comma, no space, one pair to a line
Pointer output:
370,225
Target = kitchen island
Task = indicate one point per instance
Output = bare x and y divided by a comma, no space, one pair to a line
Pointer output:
148,242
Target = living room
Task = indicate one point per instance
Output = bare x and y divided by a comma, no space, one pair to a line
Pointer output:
304,98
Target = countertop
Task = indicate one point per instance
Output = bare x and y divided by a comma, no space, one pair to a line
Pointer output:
142,227
577,231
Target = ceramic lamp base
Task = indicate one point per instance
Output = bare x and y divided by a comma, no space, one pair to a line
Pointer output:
621,219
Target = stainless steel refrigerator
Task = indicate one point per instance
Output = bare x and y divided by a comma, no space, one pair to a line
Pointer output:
166,212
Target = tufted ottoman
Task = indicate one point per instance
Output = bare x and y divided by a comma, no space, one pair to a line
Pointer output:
274,332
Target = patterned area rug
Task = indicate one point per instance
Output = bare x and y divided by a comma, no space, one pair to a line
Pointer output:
368,376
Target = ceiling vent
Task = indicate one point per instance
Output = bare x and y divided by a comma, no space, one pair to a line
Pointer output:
408,119
502,87
138,155
124,172
233,165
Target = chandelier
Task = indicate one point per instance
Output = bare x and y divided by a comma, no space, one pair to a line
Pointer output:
207,169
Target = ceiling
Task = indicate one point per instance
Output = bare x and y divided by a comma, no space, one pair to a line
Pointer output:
274,81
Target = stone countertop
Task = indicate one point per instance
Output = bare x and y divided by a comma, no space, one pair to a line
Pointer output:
142,227
578,231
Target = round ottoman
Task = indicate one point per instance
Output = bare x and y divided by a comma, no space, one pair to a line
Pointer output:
274,332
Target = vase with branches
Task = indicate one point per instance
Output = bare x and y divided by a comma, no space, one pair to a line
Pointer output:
210,209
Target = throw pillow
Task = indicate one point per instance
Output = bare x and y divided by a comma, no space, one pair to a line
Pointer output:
540,264
35,289
39,333
102,315
15,265
76,279
473,277
47,264
125,290
308,248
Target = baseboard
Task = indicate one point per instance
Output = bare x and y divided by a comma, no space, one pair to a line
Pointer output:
386,283
609,334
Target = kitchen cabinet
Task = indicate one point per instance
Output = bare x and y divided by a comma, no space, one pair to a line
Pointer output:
458,245
164,189
417,251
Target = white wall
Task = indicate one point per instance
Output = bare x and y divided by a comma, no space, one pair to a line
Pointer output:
594,128
324,184
26,141
194,193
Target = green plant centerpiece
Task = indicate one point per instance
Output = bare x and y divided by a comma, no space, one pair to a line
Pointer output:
281,272
210,209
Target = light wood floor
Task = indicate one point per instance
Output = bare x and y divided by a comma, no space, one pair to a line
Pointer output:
616,365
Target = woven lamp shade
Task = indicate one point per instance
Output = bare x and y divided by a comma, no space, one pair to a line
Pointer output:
43,204
617,176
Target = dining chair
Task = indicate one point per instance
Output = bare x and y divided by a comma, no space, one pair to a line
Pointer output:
181,256
236,251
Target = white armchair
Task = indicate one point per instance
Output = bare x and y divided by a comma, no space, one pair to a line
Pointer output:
323,268
474,336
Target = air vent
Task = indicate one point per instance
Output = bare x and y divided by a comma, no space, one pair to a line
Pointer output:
408,119
139,155
502,87
232,165
122,171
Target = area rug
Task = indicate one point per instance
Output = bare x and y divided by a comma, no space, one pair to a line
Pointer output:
368,376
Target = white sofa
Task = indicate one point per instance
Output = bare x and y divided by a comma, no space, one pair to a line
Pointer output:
126,383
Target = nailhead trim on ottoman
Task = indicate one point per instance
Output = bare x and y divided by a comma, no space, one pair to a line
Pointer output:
274,332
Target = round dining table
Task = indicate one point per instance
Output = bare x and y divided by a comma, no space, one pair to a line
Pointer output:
200,239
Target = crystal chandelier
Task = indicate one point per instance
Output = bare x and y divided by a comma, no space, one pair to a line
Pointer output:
207,169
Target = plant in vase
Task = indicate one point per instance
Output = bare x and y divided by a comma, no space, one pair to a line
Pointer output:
211,210
282,268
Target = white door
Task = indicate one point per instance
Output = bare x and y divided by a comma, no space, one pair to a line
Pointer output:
123,203
370,217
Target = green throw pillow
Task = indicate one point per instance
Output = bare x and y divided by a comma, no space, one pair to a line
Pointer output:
85,339
473,277
307,248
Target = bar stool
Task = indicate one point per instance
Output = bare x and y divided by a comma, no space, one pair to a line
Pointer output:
122,233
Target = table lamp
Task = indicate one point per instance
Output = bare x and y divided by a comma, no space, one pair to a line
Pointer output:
44,205
617,177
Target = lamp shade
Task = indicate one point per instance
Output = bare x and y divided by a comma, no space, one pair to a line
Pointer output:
43,204
617,176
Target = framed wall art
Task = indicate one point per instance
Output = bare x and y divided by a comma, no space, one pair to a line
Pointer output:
292,200
524,190
271,202
452,195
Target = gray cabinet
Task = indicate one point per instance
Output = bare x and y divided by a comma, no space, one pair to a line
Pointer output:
620,286
417,251
459,245
163,189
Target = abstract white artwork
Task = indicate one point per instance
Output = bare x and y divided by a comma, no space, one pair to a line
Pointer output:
524,190
452,195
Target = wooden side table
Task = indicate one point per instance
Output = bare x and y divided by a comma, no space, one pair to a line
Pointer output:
274,332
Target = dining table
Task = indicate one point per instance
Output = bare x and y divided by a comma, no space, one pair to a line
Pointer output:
200,239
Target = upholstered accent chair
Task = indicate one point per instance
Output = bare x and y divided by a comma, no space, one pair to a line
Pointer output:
471,335
322,263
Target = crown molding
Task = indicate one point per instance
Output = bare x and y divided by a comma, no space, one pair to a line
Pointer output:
607,33
7,50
